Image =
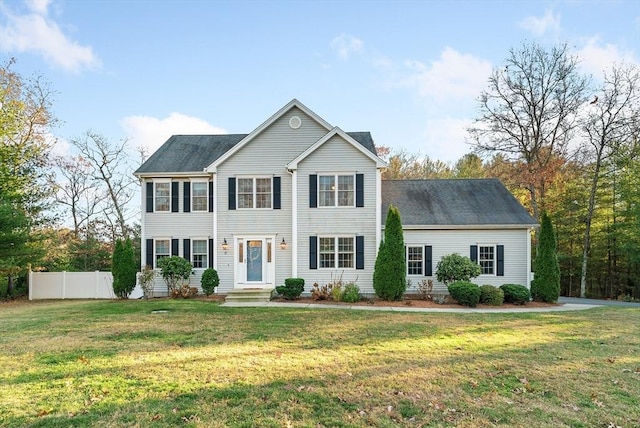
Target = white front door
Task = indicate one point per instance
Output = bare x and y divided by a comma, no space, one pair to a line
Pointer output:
254,262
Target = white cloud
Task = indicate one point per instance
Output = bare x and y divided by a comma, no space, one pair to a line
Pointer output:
549,23
445,137
596,56
345,45
35,32
150,132
453,75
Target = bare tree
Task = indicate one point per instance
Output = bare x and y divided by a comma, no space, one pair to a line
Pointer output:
610,128
529,113
110,164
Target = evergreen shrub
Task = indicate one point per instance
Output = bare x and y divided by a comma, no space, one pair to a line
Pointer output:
490,295
292,288
516,294
389,274
209,281
465,293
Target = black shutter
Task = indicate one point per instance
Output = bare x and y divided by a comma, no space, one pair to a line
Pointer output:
276,193
473,253
313,191
174,196
187,197
150,252
174,247
210,253
500,254
211,196
313,252
359,252
149,197
186,249
359,190
428,260
232,193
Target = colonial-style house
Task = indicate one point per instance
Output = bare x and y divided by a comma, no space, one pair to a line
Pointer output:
298,197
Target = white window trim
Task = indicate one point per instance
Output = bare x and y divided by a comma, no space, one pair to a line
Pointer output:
206,251
253,177
422,260
335,191
495,258
336,252
206,183
155,249
162,181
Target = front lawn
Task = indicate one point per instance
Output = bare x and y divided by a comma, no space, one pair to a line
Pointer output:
194,363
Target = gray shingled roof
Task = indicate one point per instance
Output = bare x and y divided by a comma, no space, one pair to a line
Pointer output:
453,202
193,153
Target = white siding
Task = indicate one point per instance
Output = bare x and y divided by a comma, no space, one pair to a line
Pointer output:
334,157
266,155
446,242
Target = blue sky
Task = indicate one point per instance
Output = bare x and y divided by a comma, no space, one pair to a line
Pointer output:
407,71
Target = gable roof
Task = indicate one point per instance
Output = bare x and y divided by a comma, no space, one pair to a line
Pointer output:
291,104
191,154
370,151
454,202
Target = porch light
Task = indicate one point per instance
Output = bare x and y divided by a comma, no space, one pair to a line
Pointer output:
225,246
283,244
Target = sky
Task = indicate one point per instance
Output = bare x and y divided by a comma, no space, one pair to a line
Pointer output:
409,72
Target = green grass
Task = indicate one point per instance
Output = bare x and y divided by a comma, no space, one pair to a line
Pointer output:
103,363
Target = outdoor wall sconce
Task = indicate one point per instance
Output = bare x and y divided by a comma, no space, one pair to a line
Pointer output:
225,246
283,244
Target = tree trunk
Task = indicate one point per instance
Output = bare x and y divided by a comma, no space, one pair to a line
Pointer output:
587,231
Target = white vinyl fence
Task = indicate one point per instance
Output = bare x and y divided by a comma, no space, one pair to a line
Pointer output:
71,285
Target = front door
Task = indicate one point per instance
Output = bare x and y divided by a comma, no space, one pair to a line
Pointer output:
254,262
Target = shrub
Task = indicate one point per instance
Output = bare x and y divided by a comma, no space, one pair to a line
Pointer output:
465,293
491,295
175,271
515,293
454,267
389,274
292,288
545,286
184,291
351,293
146,281
123,268
337,292
425,289
209,281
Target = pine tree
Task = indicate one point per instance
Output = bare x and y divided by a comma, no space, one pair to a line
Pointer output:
389,275
546,285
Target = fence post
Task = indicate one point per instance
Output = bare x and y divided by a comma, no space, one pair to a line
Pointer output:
64,284
30,283
97,284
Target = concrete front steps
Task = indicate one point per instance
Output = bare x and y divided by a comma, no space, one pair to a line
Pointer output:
249,296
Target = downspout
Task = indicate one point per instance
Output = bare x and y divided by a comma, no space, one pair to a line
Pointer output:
294,222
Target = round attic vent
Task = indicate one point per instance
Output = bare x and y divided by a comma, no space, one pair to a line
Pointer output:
295,122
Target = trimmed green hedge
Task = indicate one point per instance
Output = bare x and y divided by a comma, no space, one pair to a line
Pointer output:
516,294
465,293
491,295
292,288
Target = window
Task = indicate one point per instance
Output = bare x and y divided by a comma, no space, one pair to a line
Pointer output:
162,248
162,196
336,190
414,261
340,249
486,259
199,197
199,253
254,193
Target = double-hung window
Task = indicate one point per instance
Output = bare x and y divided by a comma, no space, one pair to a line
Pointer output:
254,193
162,196
199,254
336,190
199,197
162,249
486,259
336,252
415,260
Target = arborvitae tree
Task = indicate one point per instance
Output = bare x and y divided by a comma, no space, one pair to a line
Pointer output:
389,275
123,268
546,285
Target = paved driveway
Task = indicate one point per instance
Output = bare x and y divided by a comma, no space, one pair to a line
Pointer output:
580,301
